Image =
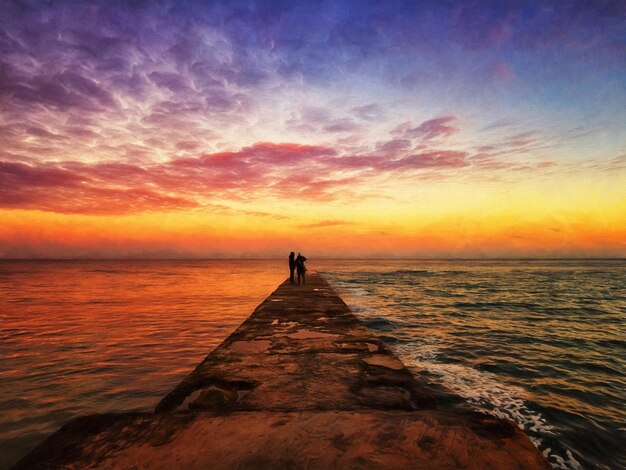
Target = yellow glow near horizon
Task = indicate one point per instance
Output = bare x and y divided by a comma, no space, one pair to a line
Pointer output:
583,220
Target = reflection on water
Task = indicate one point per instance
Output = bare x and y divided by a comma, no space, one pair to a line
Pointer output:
94,336
540,342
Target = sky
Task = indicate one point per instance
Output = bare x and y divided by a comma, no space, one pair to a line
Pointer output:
350,129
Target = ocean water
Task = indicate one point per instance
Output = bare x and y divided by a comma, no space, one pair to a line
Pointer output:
540,342
79,337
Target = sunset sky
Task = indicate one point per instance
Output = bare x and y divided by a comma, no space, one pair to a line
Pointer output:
340,129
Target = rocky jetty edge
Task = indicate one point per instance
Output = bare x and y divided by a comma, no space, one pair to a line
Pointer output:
302,383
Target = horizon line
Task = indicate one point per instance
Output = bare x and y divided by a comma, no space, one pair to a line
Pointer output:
324,259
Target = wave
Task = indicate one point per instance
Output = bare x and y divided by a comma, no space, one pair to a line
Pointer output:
380,324
427,272
412,271
483,391
107,271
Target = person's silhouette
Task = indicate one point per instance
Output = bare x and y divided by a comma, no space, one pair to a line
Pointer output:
292,267
300,268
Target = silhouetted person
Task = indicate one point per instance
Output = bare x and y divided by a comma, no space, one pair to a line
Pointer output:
300,268
292,267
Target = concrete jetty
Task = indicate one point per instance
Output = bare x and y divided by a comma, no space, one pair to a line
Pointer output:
302,383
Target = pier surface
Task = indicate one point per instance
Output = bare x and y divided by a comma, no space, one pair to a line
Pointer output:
302,383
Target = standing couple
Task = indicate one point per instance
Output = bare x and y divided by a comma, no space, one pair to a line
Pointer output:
297,265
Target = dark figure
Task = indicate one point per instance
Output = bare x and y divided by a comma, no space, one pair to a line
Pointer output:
292,267
300,268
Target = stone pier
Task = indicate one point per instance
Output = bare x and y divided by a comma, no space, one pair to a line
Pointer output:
302,383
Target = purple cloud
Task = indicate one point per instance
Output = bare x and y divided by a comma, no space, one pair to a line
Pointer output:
143,100
433,128
265,169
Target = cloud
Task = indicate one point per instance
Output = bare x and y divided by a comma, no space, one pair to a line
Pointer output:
438,127
262,214
499,124
173,82
166,105
368,112
263,170
522,139
327,223
187,145
433,159
262,153
342,125
56,189
60,92
394,146
19,174
522,151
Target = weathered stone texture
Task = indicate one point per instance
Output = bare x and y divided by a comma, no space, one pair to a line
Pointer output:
301,349
302,383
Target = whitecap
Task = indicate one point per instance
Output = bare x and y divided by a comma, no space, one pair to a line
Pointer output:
483,391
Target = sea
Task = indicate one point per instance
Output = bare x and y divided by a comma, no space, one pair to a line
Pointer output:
539,342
